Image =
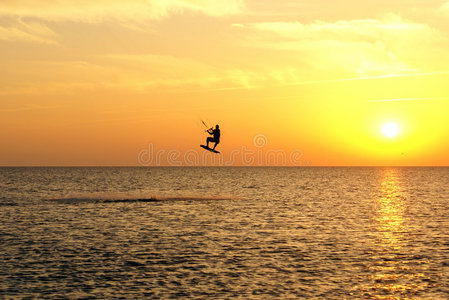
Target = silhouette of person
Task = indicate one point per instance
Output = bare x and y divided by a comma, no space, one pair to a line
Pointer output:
216,136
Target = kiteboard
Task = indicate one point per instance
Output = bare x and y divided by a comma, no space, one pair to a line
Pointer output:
209,149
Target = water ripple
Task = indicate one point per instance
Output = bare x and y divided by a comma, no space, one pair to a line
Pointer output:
329,233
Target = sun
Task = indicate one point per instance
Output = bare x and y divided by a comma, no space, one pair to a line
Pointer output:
390,130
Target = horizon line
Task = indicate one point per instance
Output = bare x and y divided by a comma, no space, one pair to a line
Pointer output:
236,166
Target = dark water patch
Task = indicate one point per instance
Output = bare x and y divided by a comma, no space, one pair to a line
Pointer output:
134,263
252,186
136,199
8,204
131,200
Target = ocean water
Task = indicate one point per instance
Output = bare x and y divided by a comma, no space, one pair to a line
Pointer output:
220,233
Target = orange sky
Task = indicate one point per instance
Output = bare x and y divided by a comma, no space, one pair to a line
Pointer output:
115,82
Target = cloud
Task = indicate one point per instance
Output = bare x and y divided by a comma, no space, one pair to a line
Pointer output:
28,107
445,8
28,20
343,30
100,10
443,12
402,99
28,32
124,72
365,47
147,71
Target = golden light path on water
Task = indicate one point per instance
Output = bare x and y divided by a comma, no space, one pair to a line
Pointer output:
394,273
390,214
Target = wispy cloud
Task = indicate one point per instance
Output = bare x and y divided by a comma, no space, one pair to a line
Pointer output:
419,74
445,8
30,31
402,99
366,47
100,10
29,107
125,72
261,83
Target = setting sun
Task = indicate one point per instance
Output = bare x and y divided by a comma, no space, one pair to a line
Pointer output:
390,130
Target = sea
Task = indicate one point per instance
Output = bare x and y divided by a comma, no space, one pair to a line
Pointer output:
224,233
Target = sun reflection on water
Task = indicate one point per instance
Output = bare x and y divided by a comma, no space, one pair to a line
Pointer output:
393,273
390,212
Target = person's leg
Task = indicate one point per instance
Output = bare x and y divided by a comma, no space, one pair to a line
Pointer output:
216,143
209,139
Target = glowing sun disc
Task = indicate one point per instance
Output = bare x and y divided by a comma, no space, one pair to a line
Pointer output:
390,130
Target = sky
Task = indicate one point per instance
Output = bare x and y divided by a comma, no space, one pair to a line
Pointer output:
127,83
